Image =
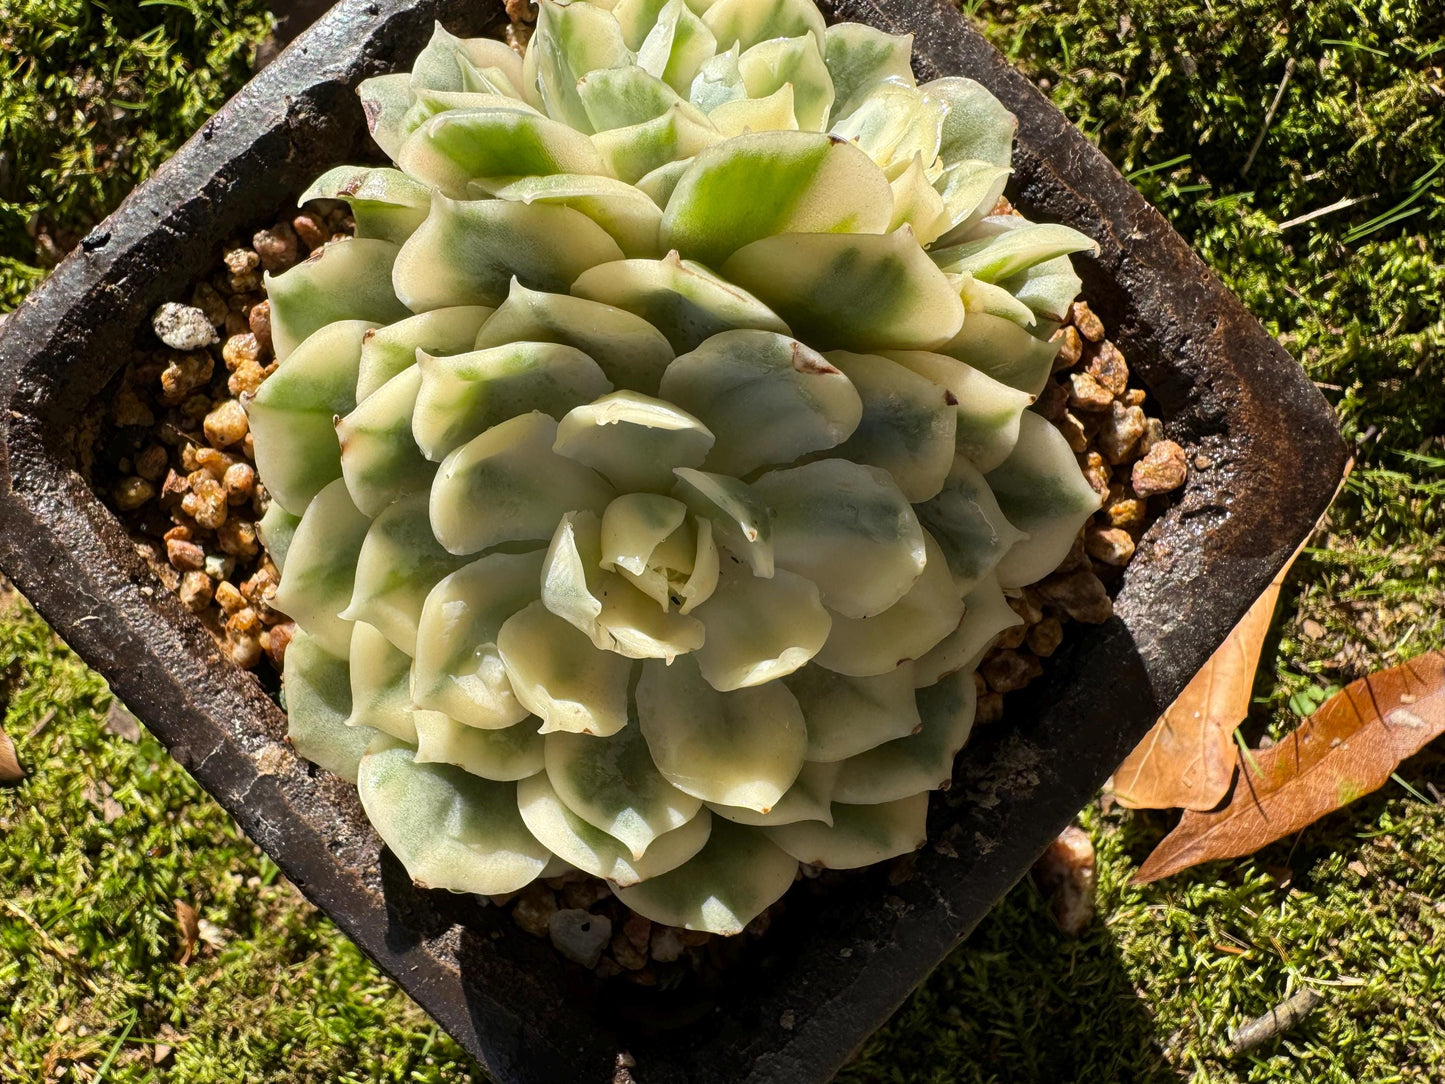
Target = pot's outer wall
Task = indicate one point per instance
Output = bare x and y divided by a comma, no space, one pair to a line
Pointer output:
836,966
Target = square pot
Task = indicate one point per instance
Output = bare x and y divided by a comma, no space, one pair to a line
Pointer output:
835,966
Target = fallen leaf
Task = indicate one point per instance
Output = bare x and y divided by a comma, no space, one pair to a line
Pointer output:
188,922
120,722
10,770
1342,752
1188,759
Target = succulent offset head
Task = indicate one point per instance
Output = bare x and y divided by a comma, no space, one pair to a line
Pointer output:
648,470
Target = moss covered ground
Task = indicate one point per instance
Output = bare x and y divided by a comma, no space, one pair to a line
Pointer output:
1334,236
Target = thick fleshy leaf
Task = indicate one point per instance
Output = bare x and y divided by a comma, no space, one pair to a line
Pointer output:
975,125
1010,251
348,279
969,191
677,46
614,615
848,715
731,881
773,113
631,352
633,440
766,397
759,630
893,125
988,409
1005,351
848,528
908,423
633,152
449,828
452,63
379,457
636,18
558,675
683,300
766,183
968,525
659,184
386,351
458,669
385,203
775,63
990,300
621,97
859,58
808,799
917,204
736,748
1043,493
570,41
507,485
744,23
292,415
629,216
634,525
463,396
506,755
321,568
907,630
399,564
591,849
718,82
464,146
612,784
921,761
1047,289
318,702
385,100
468,252
380,685
986,615
861,291
860,835
740,521
276,529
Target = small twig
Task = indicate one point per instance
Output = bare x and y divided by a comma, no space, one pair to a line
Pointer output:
45,720
1320,212
1268,116
1278,1020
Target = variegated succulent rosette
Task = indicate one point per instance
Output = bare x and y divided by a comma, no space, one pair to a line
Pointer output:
648,471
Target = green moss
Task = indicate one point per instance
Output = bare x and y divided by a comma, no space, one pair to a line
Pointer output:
92,97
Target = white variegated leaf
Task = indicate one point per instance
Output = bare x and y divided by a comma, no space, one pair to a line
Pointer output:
458,669
380,685
505,755
507,485
766,397
612,784
633,440
379,457
987,614
860,835
968,525
386,351
560,676
907,630
736,748
1044,494
346,279
847,715
321,568
318,701
449,828
463,396
988,409
808,799
759,630
740,521
683,300
848,528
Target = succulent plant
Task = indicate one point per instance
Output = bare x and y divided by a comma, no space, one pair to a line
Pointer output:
648,470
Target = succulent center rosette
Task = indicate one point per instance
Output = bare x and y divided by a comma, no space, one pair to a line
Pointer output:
648,470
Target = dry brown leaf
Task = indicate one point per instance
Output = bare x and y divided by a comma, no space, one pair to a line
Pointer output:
188,922
1345,750
1188,759
10,770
